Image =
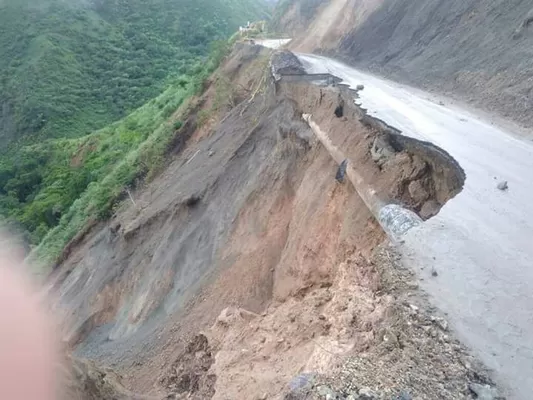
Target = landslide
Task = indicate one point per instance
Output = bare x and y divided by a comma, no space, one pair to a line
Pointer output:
477,51
245,263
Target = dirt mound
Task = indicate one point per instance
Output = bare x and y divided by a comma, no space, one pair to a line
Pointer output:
309,293
414,354
259,349
368,330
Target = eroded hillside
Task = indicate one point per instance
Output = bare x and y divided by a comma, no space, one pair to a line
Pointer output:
246,270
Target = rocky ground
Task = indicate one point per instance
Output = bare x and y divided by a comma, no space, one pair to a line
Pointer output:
415,355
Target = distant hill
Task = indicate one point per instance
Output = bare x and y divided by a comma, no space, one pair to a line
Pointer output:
69,67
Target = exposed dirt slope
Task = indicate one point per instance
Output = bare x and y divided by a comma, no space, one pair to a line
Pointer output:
246,263
318,24
479,51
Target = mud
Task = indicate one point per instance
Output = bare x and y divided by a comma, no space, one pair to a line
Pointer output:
245,262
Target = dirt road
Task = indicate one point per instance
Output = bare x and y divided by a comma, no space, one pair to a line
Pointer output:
475,257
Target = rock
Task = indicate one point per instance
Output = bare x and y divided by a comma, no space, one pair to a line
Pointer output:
429,209
211,153
228,316
403,396
381,150
359,87
413,307
367,394
193,200
326,392
503,185
341,172
339,111
415,168
483,392
417,192
300,387
434,272
390,339
302,381
440,322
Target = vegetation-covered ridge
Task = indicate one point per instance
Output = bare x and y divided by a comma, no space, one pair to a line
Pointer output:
68,71
68,68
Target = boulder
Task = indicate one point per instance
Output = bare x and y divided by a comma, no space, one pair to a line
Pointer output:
503,186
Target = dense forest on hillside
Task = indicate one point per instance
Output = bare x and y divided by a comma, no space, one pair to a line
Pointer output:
67,68
73,80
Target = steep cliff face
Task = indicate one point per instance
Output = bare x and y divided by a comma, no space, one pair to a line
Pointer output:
479,51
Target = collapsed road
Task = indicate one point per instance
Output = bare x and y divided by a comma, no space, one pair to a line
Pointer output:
474,257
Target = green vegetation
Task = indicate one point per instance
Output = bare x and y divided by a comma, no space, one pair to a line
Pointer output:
67,72
83,179
67,69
